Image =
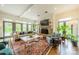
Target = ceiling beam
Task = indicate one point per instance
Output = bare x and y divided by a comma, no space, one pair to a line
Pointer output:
26,10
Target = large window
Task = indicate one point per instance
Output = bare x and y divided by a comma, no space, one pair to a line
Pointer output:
24,27
69,29
18,27
29,27
7,29
36,28
10,28
33,27
60,25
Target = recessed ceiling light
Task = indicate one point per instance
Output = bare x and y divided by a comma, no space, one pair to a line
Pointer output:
46,11
38,15
55,8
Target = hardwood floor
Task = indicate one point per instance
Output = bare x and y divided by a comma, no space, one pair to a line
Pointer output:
64,49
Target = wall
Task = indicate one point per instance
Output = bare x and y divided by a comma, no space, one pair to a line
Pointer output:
11,18
1,28
74,14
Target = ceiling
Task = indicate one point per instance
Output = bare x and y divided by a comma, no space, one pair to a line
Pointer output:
35,11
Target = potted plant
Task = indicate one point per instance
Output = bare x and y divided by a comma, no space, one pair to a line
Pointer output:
74,40
62,29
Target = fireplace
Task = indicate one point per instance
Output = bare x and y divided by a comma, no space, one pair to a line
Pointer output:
44,31
45,27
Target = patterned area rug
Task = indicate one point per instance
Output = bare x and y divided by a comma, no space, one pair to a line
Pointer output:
33,48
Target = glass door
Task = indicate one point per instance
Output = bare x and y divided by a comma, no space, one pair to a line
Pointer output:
59,29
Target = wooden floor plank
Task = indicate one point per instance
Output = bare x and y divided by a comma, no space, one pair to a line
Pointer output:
64,49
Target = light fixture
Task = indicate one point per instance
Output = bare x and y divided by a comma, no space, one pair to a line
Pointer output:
38,15
65,19
46,11
55,8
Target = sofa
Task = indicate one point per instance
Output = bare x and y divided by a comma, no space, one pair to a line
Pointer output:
4,50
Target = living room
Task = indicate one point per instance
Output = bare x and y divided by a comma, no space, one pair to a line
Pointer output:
39,29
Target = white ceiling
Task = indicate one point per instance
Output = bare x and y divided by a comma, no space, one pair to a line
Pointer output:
36,11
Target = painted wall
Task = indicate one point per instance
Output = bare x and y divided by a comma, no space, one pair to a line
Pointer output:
74,14
1,28
11,18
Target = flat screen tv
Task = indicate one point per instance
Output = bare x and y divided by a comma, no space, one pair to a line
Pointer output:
44,22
